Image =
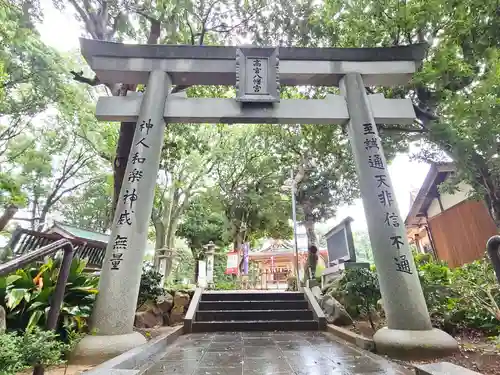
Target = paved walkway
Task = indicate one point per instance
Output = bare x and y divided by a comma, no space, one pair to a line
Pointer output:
268,353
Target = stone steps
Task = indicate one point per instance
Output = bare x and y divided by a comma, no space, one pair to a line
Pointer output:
252,305
255,325
253,311
226,315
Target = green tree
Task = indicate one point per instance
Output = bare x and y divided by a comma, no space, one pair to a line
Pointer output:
323,172
175,22
31,80
55,166
363,246
249,180
458,75
202,222
188,158
89,207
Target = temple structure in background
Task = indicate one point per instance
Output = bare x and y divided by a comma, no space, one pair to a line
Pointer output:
274,262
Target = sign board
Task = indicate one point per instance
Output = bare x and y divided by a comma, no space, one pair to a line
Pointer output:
340,243
202,274
257,78
232,263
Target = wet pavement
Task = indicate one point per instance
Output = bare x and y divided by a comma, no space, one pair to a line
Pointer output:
269,353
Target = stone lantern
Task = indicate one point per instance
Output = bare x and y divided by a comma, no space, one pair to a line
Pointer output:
209,258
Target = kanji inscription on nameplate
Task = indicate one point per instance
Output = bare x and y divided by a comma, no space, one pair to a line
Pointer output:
257,78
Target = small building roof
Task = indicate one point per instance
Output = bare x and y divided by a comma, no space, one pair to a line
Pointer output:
437,174
80,233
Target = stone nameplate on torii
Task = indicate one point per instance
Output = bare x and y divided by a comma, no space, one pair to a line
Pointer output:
257,77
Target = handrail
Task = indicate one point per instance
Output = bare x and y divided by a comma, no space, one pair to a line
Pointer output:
62,278
493,248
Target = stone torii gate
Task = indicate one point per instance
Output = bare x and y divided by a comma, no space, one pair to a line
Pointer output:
257,74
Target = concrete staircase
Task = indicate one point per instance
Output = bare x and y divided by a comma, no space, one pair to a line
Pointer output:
253,311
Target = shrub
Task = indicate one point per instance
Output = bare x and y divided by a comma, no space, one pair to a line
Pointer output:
11,359
36,347
226,285
465,297
150,288
26,296
42,348
358,290
435,278
479,295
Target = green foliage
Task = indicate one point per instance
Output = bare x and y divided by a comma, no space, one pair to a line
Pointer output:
435,278
42,348
33,348
249,183
322,165
220,263
150,288
183,268
89,208
26,296
479,295
458,81
11,358
202,222
359,292
226,285
465,297
363,246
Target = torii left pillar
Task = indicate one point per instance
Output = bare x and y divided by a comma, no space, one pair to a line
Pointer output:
114,312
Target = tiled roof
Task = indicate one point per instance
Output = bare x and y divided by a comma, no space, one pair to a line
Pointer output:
83,233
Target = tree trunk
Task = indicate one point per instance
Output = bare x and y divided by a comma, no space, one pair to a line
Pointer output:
8,214
170,235
33,212
168,266
159,243
125,138
312,239
43,216
237,240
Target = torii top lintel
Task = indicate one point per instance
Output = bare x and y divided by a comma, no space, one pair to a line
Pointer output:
216,65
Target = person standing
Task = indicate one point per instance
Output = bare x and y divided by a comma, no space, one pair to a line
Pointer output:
312,261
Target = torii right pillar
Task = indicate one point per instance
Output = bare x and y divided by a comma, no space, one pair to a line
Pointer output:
409,333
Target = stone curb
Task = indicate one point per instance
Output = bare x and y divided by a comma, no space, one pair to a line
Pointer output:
191,312
318,313
443,368
134,361
358,340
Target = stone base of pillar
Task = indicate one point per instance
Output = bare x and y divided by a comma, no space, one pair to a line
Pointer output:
414,345
94,349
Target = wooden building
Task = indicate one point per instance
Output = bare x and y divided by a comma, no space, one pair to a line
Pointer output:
452,227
